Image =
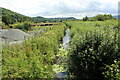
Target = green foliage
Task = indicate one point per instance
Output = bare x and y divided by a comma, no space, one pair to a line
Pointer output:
34,58
10,17
93,46
92,19
113,71
62,57
25,26
99,17
27,63
85,18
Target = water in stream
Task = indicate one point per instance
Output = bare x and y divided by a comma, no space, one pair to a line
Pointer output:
65,44
66,39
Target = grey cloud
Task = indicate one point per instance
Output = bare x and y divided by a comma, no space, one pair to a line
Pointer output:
63,8
45,8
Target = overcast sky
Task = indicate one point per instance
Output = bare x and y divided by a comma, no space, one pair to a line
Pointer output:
61,8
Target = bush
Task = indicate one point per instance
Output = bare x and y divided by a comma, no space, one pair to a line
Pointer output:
92,19
85,18
25,26
91,49
113,71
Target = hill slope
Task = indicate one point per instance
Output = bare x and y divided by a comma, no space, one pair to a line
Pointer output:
10,17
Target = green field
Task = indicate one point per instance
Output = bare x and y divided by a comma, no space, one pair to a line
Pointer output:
35,57
93,51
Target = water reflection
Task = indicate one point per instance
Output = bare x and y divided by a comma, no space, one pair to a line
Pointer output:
66,39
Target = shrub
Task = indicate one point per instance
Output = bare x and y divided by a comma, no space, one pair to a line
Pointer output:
113,71
25,26
91,49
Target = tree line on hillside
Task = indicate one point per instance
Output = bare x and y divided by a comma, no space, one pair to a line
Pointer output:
10,17
99,17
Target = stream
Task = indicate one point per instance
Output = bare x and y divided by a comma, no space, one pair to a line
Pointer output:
66,40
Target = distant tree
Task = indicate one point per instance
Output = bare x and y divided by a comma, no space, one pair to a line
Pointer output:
85,18
10,17
6,19
99,17
92,19
25,26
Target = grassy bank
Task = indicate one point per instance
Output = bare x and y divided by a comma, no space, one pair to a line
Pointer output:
36,56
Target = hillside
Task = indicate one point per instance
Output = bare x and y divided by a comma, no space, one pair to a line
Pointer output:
11,17
59,19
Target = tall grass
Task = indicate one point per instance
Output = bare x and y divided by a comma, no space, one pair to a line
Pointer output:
35,57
